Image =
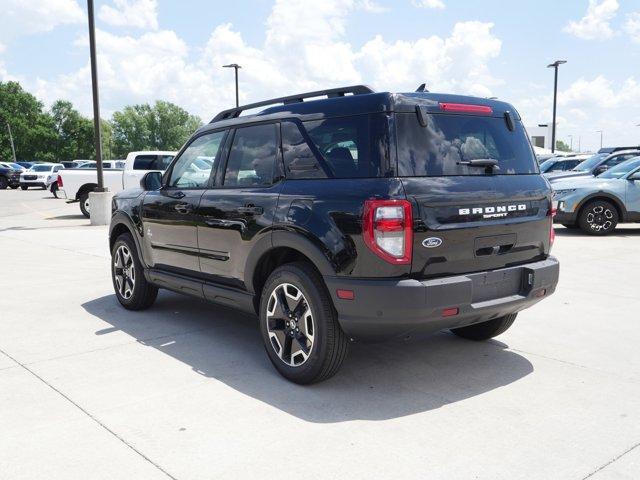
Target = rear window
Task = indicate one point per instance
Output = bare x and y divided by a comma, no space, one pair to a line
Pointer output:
442,147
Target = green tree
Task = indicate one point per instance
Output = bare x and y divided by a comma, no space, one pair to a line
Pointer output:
33,129
163,126
562,147
74,132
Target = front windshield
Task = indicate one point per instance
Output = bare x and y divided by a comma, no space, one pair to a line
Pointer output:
622,169
41,168
590,163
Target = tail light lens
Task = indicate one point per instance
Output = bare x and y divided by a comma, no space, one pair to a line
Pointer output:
59,181
388,229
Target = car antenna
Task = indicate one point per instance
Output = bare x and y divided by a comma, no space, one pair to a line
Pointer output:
422,88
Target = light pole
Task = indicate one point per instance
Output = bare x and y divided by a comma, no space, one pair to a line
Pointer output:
600,132
13,147
235,66
571,139
555,66
96,100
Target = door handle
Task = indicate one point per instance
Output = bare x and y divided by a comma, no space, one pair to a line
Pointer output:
177,194
251,209
183,208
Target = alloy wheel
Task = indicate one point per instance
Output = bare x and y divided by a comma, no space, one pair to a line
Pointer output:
124,272
600,218
290,324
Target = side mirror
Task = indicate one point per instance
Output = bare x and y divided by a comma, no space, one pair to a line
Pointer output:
151,181
635,176
600,169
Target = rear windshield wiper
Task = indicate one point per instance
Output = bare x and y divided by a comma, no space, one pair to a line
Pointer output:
488,163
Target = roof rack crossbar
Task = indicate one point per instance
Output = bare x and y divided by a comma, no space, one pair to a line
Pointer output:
300,97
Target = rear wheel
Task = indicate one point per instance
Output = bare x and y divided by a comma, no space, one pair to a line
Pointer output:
3,183
486,330
24,187
130,285
13,187
599,217
54,189
299,325
84,204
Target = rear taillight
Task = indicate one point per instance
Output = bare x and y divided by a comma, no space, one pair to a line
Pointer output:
59,181
387,229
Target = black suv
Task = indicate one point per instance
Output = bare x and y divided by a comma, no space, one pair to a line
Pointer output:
9,177
359,216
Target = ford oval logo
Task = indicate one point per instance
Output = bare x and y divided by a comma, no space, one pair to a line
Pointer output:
432,242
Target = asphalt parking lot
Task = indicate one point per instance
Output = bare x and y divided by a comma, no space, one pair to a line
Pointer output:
185,390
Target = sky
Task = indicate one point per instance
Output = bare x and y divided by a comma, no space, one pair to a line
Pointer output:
174,50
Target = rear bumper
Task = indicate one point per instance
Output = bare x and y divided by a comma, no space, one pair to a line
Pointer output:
385,309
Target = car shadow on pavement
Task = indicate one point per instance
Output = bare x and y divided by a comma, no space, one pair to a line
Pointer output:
376,382
576,232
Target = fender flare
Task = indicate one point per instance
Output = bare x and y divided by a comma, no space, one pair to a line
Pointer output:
293,240
608,196
121,218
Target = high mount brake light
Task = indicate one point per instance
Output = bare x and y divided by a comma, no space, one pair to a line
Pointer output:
387,229
466,108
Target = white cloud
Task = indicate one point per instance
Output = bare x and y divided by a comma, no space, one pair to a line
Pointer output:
437,4
23,17
632,26
595,24
588,105
372,7
131,13
305,48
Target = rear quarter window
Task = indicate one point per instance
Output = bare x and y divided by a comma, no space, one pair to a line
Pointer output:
442,147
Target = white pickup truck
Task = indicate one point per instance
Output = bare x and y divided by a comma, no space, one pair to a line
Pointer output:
76,184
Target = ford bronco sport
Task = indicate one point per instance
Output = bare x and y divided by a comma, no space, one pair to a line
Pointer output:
357,216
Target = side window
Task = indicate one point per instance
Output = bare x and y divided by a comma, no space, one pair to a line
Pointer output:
612,162
193,168
252,158
346,145
144,162
55,169
299,161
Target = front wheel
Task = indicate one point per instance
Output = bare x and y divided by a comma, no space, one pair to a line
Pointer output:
130,285
3,183
486,330
84,205
299,325
24,187
599,217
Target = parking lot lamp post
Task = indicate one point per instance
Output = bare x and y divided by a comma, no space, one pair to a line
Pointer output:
555,66
571,140
600,132
96,101
13,147
235,66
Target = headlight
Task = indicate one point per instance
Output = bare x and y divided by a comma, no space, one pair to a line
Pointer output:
560,193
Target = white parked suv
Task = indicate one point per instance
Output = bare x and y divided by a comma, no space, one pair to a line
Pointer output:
76,184
40,175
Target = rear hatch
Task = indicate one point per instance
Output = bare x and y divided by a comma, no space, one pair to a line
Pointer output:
479,200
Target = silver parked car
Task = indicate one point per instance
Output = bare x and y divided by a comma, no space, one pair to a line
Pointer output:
597,204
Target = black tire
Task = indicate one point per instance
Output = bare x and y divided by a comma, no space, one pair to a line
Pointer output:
598,217
84,200
54,189
4,183
13,187
486,330
570,226
142,294
328,345
24,187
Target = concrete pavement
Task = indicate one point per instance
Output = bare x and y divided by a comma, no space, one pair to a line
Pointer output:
185,390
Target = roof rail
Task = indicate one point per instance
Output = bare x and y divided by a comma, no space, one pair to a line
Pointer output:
329,93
